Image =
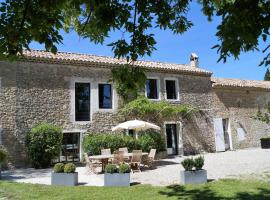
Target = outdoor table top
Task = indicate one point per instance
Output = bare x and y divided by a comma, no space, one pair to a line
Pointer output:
99,157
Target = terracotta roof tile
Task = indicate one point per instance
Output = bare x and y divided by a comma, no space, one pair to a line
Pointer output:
230,82
86,59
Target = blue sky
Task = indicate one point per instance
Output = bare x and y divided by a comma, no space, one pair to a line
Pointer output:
177,48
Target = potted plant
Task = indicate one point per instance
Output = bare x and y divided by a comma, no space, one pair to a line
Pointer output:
64,174
265,142
117,176
193,174
3,157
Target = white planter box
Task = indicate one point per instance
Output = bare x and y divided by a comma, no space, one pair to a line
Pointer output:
117,179
68,179
193,177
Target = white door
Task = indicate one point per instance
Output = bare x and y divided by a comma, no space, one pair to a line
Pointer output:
219,134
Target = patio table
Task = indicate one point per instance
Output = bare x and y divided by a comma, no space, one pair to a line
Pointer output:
105,158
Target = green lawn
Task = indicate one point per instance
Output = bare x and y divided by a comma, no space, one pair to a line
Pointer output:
225,190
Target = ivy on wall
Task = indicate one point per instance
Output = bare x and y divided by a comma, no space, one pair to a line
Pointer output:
264,117
143,108
129,81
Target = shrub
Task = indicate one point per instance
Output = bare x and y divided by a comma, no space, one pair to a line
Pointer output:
43,143
199,162
93,143
124,168
111,168
151,140
58,168
188,164
3,155
69,168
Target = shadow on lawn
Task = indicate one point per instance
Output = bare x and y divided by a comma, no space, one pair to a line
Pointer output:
207,194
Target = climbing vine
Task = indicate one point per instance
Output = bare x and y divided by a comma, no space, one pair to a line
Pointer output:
128,80
264,117
143,108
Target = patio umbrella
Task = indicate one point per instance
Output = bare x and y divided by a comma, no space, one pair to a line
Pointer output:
136,125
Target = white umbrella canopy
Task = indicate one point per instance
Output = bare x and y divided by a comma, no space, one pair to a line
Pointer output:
136,125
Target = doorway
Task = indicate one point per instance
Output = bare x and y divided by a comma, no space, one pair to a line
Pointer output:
222,134
70,147
171,137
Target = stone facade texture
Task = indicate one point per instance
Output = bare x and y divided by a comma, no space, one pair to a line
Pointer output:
31,92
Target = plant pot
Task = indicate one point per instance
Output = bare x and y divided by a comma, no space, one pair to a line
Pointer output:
67,179
193,177
117,179
265,143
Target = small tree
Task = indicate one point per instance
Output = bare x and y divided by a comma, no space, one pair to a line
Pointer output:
267,75
43,143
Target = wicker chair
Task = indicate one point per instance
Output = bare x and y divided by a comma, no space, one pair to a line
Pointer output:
106,152
136,159
124,149
93,164
118,157
150,158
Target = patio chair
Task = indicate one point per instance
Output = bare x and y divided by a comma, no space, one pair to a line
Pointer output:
124,149
118,157
106,152
136,159
92,164
149,160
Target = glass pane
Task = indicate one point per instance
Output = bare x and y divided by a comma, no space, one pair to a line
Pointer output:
151,89
70,147
171,137
171,89
82,101
105,95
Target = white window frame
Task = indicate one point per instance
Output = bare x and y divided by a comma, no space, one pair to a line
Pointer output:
176,88
158,88
72,102
113,97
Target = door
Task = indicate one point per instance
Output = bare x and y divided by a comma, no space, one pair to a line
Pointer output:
70,147
226,133
171,136
219,134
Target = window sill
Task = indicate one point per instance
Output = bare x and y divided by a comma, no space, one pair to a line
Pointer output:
82,122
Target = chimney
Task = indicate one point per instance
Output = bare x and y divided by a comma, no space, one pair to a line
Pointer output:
194,60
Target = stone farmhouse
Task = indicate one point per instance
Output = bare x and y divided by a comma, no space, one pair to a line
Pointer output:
72,91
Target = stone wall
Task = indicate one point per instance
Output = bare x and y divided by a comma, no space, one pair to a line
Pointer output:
34,92
240,105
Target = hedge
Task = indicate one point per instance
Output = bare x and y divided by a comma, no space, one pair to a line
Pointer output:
93,143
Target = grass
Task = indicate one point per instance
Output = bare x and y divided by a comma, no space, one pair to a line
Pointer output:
224,189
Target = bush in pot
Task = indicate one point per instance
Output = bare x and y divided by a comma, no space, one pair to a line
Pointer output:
199,162
265,142
193,173
43,143
64,174
188,164
117,175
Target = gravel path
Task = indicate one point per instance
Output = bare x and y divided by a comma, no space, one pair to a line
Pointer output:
231,164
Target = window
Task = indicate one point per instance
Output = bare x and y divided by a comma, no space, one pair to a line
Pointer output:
171,89
151,89
105,96
82,101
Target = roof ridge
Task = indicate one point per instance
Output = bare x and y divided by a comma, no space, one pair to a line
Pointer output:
111,57
240,79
